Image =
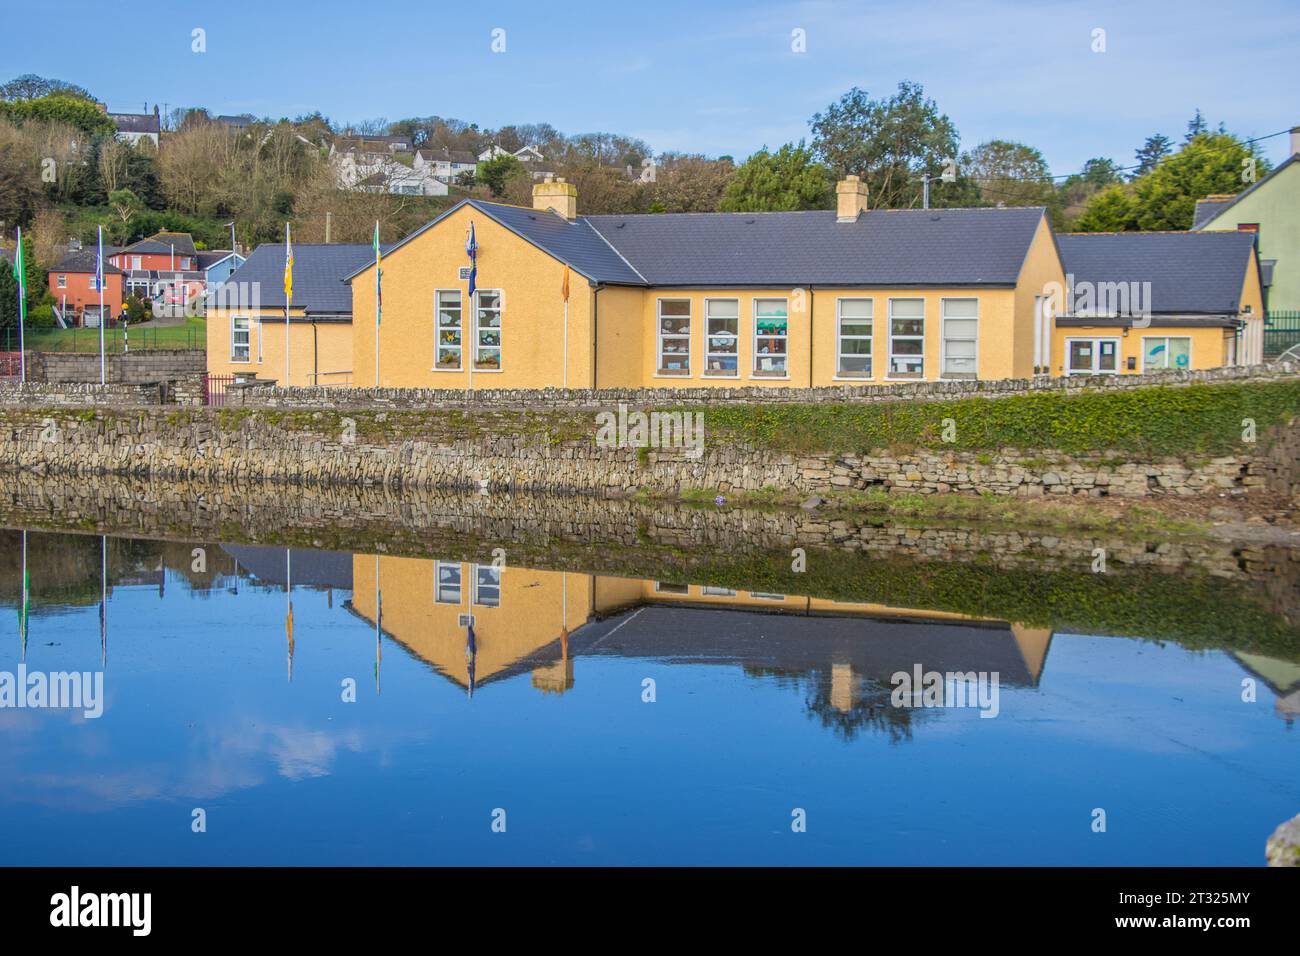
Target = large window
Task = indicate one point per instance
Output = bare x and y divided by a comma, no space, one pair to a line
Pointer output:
961,319
240,338
854,324
1091,356
1163,351
771,337
487,586
906,338
448,309
446,582
674,337
722,337
487,331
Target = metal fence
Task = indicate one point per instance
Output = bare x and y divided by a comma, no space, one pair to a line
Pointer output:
116,339
1281,331
214,389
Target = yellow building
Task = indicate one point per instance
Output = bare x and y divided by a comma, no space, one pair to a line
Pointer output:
1147,301
491,296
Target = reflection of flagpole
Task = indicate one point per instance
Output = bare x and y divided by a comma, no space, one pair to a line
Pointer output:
103,600
471,655
288,597
26,601
379,625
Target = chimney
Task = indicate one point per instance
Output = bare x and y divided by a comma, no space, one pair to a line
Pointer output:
557,195
850,199
1295,140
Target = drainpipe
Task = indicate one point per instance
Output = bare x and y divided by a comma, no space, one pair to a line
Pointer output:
810,336
595,332
315,355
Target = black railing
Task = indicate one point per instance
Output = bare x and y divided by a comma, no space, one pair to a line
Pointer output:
116,339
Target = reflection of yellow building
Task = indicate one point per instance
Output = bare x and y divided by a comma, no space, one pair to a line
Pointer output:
523,619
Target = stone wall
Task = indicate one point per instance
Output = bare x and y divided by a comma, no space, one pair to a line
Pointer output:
131,368
37,394
268,395
556,452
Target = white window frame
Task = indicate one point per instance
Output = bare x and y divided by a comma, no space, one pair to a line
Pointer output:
668,587
944,337
766,596
711,591
660,370
248,346
784,372
709,354
501,321
1095,341
136,263
1167,339
478,592
438,347
840,337
437,582
63,281
889,368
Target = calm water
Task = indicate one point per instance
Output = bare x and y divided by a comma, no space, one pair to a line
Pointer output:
763,705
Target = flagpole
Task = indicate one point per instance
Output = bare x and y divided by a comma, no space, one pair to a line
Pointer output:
20,267
566,327
379,302
99,281
103,600
288,296
26,597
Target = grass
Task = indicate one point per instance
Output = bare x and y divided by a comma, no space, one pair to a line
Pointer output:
191,335
987,509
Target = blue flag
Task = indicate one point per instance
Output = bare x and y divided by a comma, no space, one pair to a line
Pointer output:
471,249
99,264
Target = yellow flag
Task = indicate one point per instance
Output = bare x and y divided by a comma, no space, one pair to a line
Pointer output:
564,289
288,266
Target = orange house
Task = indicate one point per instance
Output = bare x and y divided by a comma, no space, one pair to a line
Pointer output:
72,282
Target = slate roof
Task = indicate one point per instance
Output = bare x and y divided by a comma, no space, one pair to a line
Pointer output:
1291,160
446,155
937,247
84,261
210,257
161,244
318,274
1207,209
1189,272
894,247
136,122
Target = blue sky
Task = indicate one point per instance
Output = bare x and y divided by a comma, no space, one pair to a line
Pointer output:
714,77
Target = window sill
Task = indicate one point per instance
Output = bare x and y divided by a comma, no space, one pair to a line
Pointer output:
768,377
686,374
851,378
446,368
720,375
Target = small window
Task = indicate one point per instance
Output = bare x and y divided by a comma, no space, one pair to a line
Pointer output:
764,596
722,337
448,310
771,337
664,587
1091,356
1162,352
906,338
135,263
63,281
446,587
718,592
487,351
674,322
854,323
487,586
960,337
239,338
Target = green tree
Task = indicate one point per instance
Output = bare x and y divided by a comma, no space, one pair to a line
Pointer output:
1110,210
29,86
495,171
890,143
8,296
1010,173
1208,163
1156,148
789,179
60,108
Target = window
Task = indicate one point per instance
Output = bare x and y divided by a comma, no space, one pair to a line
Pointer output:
63,281
722,337
487,586
765,596
239,338
487,351
446,582
1159,351
674,337
718,592
961,319
854,324
135,263
448,309
664,587
906,338
771,331
1091,356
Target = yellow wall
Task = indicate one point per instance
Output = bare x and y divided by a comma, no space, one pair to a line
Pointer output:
1208,345
532,324
1041,274
328,352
